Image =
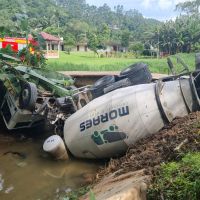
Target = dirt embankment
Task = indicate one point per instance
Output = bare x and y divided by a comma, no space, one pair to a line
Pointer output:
128,177
179,137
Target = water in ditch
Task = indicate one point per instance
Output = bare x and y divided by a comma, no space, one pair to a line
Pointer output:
26,172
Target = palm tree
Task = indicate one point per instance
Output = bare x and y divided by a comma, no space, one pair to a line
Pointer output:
190,7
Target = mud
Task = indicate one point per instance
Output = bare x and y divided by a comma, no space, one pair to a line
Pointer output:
181,136
26,172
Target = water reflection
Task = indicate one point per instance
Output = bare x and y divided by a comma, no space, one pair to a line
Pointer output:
26,172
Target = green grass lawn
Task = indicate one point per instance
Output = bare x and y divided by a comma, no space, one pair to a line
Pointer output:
87,61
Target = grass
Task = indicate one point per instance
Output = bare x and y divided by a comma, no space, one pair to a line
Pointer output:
76,194
178,180
87,61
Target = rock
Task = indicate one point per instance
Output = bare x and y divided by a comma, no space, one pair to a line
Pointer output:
129,186
9,189
135,193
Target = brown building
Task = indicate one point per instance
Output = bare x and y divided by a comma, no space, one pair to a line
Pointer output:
51,45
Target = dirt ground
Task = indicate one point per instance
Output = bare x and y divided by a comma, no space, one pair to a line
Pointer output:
180,136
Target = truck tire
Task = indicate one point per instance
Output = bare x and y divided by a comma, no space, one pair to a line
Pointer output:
28,96
119,84
98,87
104,81
137,73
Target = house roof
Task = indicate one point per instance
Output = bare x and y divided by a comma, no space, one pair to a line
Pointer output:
48,37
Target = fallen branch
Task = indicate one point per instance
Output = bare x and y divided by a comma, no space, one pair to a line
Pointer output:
181,144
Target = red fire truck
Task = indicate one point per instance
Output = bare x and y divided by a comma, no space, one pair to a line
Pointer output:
16,43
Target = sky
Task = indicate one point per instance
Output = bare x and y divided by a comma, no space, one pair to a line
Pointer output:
157,9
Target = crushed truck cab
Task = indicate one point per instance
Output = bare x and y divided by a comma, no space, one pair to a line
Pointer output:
102,120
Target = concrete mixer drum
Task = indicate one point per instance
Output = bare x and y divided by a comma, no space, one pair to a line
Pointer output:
109,124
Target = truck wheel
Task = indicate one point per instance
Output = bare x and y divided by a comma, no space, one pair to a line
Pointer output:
131,69
137,73
119,84
104,81
28,96
99,85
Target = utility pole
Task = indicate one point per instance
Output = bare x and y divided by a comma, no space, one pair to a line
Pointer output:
158,50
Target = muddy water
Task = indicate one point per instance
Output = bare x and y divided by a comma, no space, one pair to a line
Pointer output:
26,172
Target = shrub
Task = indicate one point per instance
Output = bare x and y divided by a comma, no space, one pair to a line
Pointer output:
178,180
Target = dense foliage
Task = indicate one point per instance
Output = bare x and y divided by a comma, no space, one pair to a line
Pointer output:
183,34
178,180
77,22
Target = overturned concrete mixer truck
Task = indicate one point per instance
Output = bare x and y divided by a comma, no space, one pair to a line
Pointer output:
111,123
101,120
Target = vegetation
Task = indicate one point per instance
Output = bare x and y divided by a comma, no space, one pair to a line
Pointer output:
34,58
89,62
27,56
183,34
178,180
76,194
77,22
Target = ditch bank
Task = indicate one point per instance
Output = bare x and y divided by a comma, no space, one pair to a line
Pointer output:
128,177
84,78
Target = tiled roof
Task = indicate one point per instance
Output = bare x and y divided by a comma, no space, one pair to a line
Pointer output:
49,37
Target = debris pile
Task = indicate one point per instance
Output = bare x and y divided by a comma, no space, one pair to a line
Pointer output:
170,144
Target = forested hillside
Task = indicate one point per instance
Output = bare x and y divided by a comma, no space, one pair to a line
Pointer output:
75,21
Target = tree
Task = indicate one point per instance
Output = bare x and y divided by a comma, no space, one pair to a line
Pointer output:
137,48
75,17
69,41
93,42
53,30
125,38
190,7
104,35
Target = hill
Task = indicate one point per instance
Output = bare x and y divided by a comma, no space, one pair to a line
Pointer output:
74,20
